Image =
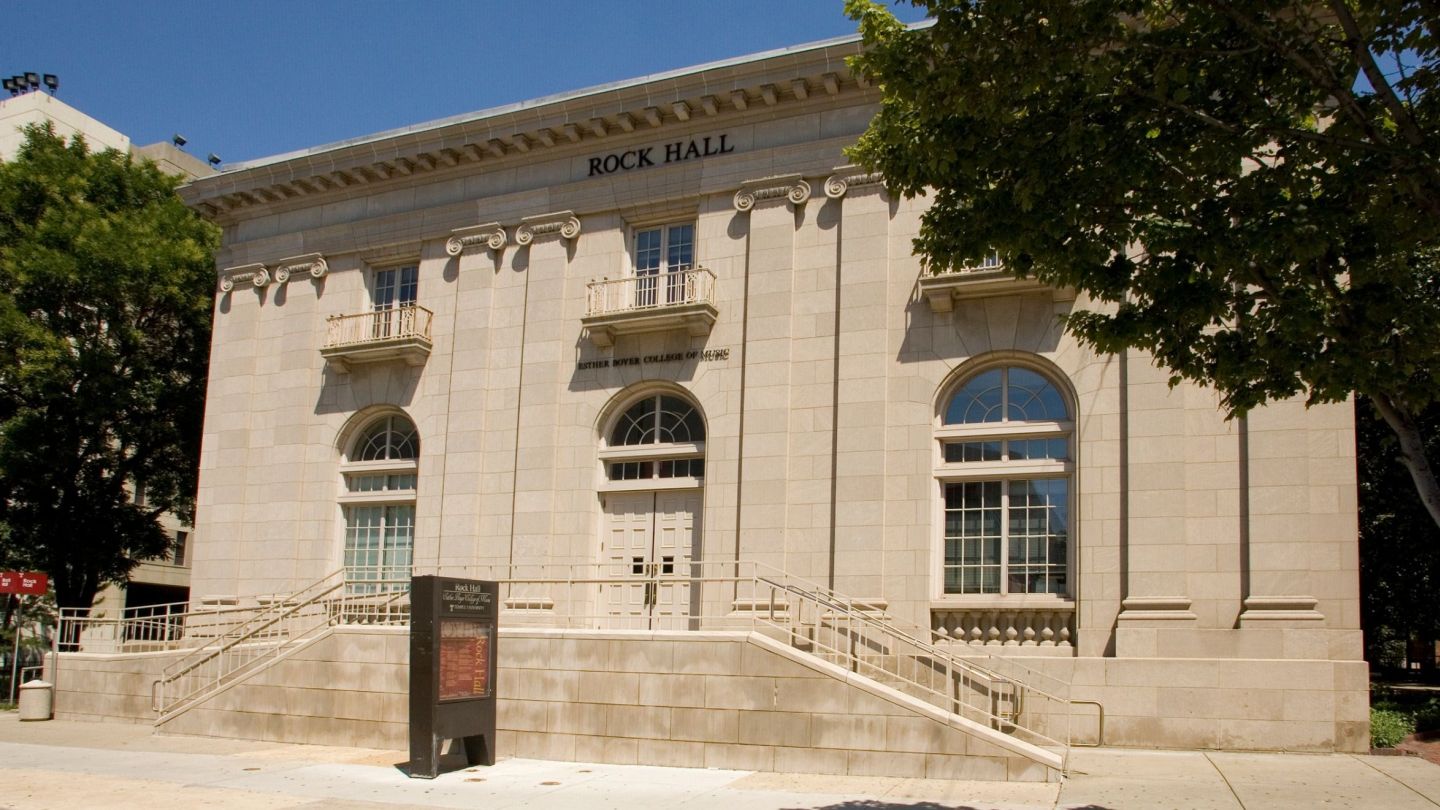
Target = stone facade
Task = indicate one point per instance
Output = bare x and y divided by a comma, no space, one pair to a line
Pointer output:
1202,576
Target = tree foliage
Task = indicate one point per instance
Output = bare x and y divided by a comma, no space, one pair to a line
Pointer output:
106,284
1248,191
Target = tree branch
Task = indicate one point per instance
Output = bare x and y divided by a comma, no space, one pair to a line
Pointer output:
1403,120
1412,451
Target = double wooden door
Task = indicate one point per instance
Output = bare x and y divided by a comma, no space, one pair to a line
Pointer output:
648,543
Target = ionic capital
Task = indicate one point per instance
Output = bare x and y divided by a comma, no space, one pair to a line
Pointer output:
312,263
848,177
254,273
491,235
562,223
788,188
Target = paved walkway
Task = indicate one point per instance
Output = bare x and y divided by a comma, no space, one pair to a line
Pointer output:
60,764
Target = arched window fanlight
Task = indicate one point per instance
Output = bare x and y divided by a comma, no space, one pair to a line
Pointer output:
1010,394
388,438
659,419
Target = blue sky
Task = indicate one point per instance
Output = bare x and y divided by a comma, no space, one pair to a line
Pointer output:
251,78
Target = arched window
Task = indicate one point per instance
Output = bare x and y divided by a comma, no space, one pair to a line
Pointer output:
661,436
379,505
387,438
660,419
1005,475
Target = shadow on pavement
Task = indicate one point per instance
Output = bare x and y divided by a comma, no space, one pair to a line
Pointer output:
877,804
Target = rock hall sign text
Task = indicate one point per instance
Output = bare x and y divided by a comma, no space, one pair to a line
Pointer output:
674,152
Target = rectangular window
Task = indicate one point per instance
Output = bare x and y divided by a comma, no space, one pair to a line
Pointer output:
380,482
181,539
662,257
668,468
1012,450
379,542
395,291
395,287
1007,536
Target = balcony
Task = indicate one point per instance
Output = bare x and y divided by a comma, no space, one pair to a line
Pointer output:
659,303
989,278
399,333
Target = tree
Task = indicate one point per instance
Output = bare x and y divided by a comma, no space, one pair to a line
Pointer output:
1399,547
1248,191
106,284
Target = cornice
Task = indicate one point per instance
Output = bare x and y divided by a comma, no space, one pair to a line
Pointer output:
789,188
848,177
491,235
531,131
560,223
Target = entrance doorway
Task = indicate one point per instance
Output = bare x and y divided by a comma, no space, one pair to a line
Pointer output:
649,540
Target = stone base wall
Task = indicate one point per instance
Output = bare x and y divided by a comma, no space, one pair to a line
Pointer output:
1225,704
729,700
111,687
714,700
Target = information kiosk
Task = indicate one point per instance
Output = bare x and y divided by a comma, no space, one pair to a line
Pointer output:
452,670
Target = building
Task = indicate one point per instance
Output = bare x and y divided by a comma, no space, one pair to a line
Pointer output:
153,582
759,492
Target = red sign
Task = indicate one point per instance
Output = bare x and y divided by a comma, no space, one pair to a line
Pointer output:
464,659
23,582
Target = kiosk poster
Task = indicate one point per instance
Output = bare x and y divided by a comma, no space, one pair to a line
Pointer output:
464,659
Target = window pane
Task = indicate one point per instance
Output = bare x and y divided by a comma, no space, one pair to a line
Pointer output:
647,252
680,252
1049,449
679,421
972,537
978,401
972,451
1038,538
636,425
386,282
407,284
1033,398
363,527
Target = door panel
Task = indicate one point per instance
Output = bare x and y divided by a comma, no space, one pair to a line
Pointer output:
625,553
649,539
675,533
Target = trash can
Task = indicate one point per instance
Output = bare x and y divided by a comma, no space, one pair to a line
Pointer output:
37,699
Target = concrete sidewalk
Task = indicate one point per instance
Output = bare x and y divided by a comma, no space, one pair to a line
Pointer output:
61,764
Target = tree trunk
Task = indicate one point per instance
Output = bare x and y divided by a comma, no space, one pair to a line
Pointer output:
1412,452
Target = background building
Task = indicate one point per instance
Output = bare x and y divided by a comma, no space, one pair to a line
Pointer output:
153,582
654,356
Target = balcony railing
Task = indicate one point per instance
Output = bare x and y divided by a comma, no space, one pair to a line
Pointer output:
944,287
683,299
397,333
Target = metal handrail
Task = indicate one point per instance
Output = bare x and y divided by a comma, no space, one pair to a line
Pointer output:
995,691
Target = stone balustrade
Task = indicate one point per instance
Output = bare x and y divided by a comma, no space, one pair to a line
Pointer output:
1050,628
